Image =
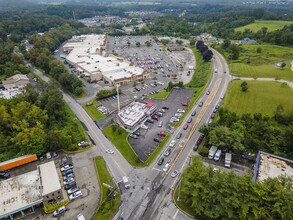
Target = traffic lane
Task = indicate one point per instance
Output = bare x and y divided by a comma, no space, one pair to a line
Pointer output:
118,171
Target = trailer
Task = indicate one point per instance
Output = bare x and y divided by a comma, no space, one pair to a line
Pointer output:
9,164
228,158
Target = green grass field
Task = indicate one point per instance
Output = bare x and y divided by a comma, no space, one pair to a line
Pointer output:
160,95
93,111
270,24
108,209
261,97
262,64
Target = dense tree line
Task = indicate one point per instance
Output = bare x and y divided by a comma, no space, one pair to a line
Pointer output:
252,132
213,194
206,53
36,122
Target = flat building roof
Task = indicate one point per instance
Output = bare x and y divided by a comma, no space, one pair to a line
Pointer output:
49,178
19,192
272,166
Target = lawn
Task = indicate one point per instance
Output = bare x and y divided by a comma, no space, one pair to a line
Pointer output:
262,64
261,97
181,203
93,111
109,208
258,24
160,95
119,139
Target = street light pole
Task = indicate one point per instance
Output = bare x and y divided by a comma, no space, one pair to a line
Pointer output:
118,99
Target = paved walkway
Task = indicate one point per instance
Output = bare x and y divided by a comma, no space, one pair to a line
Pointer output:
289,83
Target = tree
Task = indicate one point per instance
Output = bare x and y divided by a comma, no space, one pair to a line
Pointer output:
226,44
244,86
192,41
258,50
283,65
148,43
179,42
235,51
137,44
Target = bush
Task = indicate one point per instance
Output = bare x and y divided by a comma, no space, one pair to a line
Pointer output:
203,151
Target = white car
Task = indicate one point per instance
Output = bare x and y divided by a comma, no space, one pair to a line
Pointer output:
178,115
109,151
73,190
174,173
166,167
174,119
172,143
75,195
180,110
66,167
59,211
71,175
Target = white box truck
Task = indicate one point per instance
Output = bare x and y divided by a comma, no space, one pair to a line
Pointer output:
228,158
218,155
212,152
80,217
126,182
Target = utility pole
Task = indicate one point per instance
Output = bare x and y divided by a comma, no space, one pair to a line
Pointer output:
178,198
118,99
73,15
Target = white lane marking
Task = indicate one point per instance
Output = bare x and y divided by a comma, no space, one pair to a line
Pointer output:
176,214
156,169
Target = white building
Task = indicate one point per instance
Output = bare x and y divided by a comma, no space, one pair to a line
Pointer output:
85,54
131,117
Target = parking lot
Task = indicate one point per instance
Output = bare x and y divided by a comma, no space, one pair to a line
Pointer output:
144,145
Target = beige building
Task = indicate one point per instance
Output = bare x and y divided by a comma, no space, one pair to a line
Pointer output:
85,55
18,80
50,183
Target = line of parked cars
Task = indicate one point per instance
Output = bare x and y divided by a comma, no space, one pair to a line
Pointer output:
69,182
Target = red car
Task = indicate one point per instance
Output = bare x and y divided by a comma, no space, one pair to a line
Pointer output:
162,134
155,117
199,139
185,126
184,104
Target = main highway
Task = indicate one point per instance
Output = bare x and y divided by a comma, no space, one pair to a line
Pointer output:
150,195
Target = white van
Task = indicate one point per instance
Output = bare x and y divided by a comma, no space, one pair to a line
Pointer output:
80,217
218,155
126,182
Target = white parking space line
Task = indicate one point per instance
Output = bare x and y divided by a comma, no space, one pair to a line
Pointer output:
156,169
176,214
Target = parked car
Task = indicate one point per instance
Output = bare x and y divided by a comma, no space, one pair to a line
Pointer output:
185,126
157,140
48,155
69,176
200,104
184,104
83,144
180,110
4,174
70,185
166,167
73,190
172,143
155,117
213,115
160,124
75,195
66,167
167,152
66,172
178,115
174,173
54,153
59,211
137,133
165,108
150,121
161,161
210,122
69,180
199,139
160,114
162,134
193,113
162,110
179,135
174,119
189,120
133,136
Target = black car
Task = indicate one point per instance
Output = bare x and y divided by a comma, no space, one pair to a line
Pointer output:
70,185
166,108
4,174
200,104
213,115
150,121
157,140
193,113
137,133
195,147
161,161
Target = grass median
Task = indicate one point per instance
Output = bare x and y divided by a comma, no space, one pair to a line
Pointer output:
110,199
91,109
118,137
160,95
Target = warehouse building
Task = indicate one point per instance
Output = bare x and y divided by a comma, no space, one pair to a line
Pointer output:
85,55
21,194
271,166
133,115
